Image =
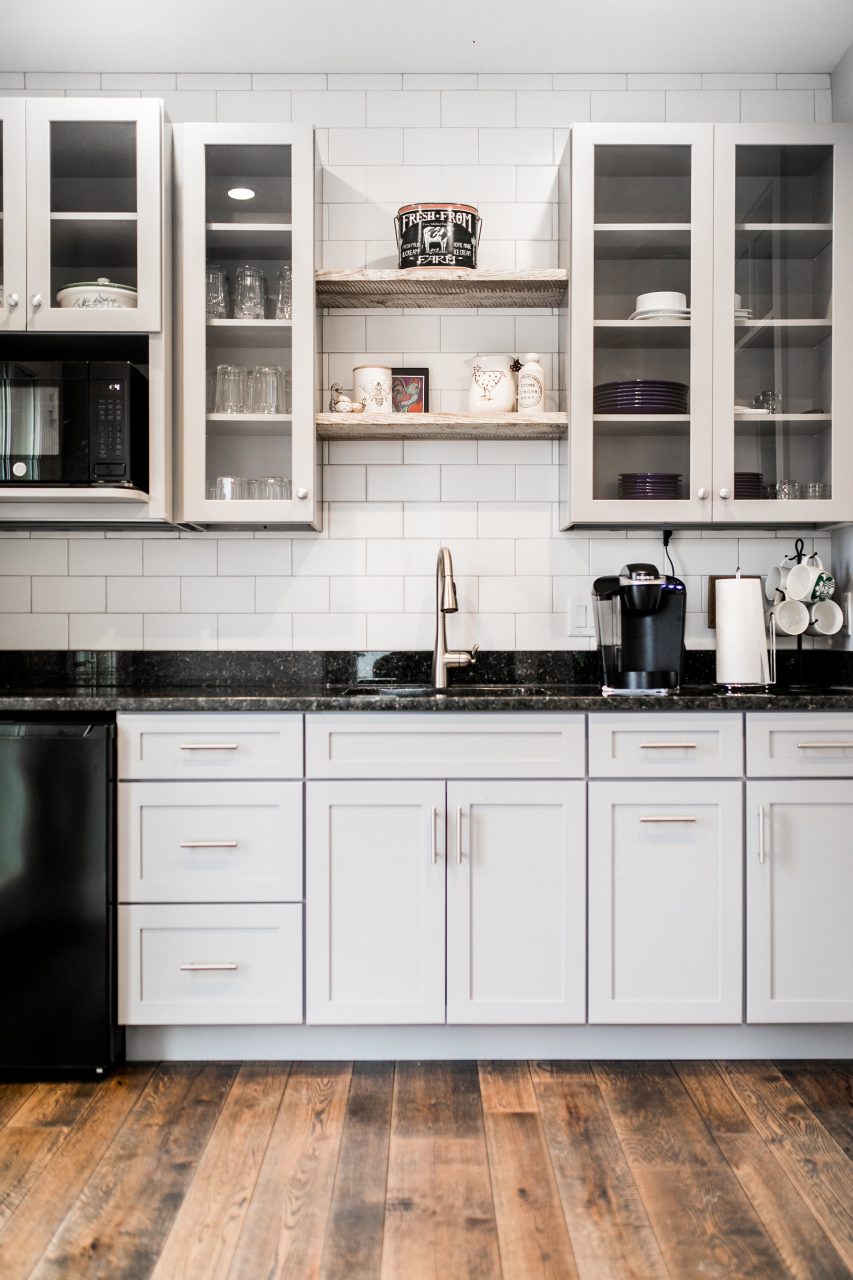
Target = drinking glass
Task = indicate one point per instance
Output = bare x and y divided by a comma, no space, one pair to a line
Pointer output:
210,391
230,388
230,488
814,490
216,292
284,294
266,389
250,295
787,489
272,488
769,401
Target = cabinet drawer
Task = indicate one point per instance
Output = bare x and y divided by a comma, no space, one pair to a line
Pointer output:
208,745
210,841
643,744
182,965
816,745
439,745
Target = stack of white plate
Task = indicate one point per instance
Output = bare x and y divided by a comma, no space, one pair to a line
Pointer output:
661,306
743,313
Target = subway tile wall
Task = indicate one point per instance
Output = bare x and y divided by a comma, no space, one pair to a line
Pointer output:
367,580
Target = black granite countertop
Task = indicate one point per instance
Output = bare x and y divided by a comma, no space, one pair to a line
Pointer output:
51,682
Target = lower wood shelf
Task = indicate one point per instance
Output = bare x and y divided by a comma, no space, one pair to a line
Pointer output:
440,426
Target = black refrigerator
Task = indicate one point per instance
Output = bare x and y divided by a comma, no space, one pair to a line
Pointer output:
57,898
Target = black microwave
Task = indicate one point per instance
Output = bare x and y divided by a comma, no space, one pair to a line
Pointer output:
68,422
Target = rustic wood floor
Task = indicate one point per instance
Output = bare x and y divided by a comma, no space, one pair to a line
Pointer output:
515,1170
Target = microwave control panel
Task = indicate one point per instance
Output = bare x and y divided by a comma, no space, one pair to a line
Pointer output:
109,430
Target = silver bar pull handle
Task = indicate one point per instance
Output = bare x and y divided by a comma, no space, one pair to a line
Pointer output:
459,835
762,810
209,746
208,844
205,968
669,818
433,839
825,746
668,746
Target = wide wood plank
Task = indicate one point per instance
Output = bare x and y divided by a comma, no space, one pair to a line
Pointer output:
357,1216
286,1221
607,1222
204,1235
12,1097
703,1221
30,1228
827,1087
713,1099
506,1086
32,1136
439,1218
118,1224
809,1154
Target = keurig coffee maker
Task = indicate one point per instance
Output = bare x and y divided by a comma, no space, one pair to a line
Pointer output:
639,624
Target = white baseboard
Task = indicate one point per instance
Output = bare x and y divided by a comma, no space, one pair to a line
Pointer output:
306,1044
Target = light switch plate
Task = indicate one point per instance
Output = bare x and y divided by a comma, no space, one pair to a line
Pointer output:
580,616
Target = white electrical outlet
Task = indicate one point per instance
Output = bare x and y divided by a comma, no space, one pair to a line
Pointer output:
580,616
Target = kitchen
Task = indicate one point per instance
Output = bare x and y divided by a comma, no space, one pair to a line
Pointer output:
237,638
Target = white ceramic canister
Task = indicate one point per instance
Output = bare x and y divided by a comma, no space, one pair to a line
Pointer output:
492,384
371,386
531,386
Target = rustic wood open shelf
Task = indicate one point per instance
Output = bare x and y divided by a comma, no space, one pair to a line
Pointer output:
437,287
440,426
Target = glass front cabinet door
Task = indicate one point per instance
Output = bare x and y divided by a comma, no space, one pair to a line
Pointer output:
13,215
247,324
783,372
641,323
94,212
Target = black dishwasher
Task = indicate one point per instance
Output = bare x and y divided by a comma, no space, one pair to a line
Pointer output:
57,897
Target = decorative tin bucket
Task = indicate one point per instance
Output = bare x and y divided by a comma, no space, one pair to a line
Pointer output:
438,235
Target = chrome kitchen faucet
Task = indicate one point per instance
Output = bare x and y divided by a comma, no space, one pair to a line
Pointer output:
445,602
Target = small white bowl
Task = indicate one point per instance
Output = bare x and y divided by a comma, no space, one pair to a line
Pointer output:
661,302
100,294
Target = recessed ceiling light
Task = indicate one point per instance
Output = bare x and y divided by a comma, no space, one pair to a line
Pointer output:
241,193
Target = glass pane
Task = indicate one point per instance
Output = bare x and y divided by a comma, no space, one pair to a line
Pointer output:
783,323
641,361
248,314
2,210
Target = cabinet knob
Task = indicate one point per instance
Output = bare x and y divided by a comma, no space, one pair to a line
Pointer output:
302,493
12,300
36,300
725,493
702,494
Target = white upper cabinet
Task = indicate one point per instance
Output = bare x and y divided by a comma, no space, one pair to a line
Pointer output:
720,411
82,202
246,218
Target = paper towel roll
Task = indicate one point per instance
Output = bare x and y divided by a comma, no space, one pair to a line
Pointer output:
741,636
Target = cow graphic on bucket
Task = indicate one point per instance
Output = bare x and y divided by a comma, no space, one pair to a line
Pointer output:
438,235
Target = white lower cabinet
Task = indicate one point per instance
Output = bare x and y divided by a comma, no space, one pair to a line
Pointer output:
516,870
376,853
665,902
800,900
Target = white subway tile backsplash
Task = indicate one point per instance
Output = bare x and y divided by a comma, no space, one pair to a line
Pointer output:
514,519
482,107
344,255
536,182
380,254
537,484
410,107
186,105
470,184
219,80
420,593
105,631
179,631
360,221
187,555
447,451
63,80
144,595
15,595
292,595
365,451
639,105
515,146
799,80
537,333
33,631
502,80
404,556
491,631
343,333
781,106
344,484
478,483
441,520
365,520
102,556
656,80
515,595
399,183
400,630
329,631
823,106
345,184
479,556
15,80
35,555
161,81
738,80
439,146
566,556
525,452
720,106
341,109
329,556
481,333
217,595
255,557
276,80
66,595
256,631
359,595
365,146
544,631
575,80
418,484
417,80
256,105
553,108
418,332
365,80
519,221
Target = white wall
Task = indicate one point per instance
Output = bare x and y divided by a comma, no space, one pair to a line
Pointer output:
842,87
366,580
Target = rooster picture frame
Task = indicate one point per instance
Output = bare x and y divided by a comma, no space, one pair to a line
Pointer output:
410,390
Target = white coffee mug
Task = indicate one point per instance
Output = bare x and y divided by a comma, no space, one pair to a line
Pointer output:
776,580
809,581
826,618
792,617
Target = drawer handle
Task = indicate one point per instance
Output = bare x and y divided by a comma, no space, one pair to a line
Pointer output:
205,968
209,746
825,746
459,835
433,841
670,818
208,844
762,810
668,746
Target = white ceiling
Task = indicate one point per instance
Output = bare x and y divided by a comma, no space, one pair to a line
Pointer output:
419,35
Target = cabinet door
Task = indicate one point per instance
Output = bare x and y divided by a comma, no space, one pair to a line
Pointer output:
245,195
640,441
516,902
13,227
783,229
375,902
665,873
799,887
94,210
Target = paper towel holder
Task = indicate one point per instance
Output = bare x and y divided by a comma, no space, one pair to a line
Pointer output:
771,655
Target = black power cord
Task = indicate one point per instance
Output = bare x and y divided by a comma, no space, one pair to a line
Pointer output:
666,534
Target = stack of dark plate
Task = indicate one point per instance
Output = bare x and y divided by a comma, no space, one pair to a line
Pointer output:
749,485
640,395
649,486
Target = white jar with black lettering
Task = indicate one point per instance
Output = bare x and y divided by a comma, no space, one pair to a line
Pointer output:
531,386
